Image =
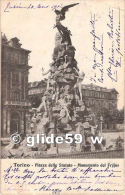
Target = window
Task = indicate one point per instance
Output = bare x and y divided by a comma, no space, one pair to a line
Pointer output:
20,58
16,58
23,87
15,96
11,57
23,58
15,79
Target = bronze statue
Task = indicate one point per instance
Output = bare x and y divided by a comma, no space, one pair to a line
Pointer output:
62,12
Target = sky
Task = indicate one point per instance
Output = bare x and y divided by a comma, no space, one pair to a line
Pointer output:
34,28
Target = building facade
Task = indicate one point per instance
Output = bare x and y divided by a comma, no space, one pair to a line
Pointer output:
94,96
97,98
14,86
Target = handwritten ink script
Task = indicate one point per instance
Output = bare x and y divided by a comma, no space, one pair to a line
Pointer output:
107,56
59,178
114,34
98,52
20,5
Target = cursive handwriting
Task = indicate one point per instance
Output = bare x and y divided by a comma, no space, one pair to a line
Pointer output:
106,47
98,53
12,6
118,37
114,34
57,180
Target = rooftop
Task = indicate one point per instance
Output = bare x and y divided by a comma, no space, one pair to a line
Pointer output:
42,83
97,88
12,43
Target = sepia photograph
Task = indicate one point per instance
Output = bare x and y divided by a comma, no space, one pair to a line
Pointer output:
62,80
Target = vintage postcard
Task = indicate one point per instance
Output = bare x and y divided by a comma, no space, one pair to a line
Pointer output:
62,97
